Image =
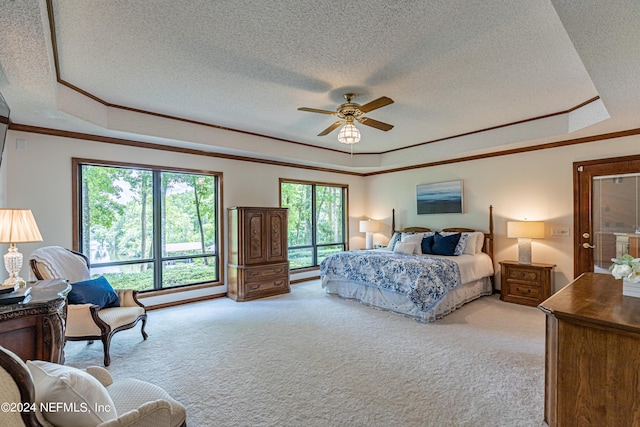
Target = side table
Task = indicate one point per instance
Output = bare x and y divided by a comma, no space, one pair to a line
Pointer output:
35,329
527,284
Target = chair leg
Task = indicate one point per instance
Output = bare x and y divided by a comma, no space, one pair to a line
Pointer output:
144,323
106,342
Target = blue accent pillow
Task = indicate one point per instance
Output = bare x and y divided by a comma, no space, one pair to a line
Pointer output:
445,245
427,245
95,291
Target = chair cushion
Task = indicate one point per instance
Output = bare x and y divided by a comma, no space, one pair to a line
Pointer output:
94,291
76,399
129,394
120,316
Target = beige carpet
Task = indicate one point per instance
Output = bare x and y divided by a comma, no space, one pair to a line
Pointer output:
310,359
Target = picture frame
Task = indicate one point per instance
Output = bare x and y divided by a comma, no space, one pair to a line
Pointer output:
440,197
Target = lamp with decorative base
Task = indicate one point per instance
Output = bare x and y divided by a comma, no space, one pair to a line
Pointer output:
16,226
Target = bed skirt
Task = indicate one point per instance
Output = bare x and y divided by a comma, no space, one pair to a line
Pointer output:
384,300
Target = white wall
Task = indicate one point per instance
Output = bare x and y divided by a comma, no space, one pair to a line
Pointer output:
40,179
536,185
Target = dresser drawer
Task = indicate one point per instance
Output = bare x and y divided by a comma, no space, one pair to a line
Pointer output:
275,286
254,274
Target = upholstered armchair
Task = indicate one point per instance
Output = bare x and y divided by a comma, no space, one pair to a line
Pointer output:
88,322
44,394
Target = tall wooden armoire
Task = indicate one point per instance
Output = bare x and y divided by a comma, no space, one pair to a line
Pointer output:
258,258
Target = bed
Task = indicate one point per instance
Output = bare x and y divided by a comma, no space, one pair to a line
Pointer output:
402,279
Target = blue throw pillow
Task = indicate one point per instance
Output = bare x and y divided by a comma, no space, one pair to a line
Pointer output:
445,245
427,245
95,291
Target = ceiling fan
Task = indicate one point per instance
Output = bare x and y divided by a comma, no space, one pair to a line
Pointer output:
349,112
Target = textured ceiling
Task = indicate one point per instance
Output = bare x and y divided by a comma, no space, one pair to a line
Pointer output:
456,70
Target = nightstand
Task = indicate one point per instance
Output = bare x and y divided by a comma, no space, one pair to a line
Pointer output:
527,284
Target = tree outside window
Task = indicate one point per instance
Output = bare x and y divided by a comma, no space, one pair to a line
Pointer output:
317,218
145,228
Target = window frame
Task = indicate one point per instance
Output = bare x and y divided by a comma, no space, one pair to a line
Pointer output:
345,220
78,163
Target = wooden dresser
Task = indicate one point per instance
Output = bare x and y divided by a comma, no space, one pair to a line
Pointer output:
592,369
527,284
258,261
35,330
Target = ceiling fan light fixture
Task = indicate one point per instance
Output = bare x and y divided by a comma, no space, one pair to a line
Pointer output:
349,134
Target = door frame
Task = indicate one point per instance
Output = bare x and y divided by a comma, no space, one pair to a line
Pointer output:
583,173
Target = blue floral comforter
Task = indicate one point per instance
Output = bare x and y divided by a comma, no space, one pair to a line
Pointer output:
424,280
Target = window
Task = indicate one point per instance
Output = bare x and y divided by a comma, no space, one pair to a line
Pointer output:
317,220
147,228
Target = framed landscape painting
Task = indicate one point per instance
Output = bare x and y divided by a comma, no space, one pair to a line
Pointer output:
439,197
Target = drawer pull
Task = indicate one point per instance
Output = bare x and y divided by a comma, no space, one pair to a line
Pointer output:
525,291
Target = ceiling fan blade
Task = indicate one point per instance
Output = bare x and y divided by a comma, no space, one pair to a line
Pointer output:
315,110
330,128
375,124
375,104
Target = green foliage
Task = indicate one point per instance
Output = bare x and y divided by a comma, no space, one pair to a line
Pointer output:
175,275
329,219
118,211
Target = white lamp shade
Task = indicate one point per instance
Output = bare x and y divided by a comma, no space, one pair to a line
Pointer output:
369,226
18,226
525,229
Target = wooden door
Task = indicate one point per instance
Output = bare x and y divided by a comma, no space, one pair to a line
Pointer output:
596,239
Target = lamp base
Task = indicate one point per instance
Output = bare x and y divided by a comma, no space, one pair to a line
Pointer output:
369,241
13,264
524,251
11,282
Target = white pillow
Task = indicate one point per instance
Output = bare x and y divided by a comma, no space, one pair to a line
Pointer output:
414,238
392,242
470,245
78,399
479,242
407,248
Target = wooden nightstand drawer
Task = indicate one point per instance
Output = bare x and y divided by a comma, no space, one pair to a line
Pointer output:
524,274
527,284
524,291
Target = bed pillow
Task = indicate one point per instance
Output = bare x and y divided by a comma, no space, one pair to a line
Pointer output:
406,248
95,291
414,238
445,245
480,242
394,239
466,244
74,388
470,243
427,245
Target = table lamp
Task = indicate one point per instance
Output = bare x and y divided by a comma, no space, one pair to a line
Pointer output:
524,231
16,226
369,227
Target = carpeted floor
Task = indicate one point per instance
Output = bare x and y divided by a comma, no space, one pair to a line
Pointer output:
310,359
